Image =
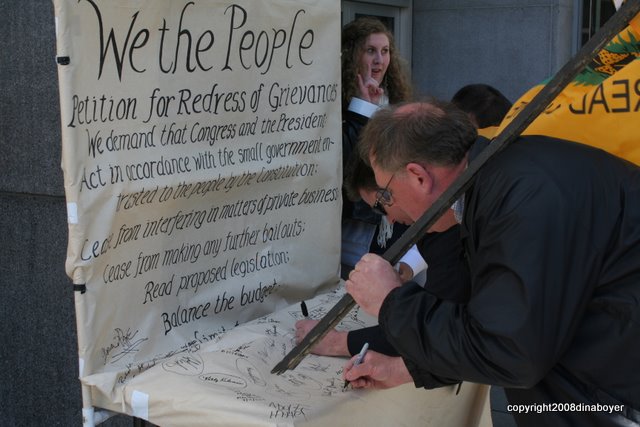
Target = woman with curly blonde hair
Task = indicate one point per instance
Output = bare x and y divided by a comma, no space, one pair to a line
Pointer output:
373,74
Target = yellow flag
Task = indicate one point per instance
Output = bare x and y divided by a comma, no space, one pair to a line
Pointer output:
601,106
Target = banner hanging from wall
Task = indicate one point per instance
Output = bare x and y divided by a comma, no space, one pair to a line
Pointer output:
201,158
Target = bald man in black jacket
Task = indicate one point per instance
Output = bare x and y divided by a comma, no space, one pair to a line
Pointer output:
551,234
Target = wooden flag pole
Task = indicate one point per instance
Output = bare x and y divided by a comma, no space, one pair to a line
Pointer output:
511,132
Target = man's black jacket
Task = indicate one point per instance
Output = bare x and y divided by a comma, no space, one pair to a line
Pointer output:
551,233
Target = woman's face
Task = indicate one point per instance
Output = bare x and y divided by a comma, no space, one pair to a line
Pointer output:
376,57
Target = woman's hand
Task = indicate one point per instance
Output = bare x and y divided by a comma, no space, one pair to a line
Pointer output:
370,89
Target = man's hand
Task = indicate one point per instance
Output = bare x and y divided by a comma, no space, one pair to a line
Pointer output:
370,281
332,344
377,371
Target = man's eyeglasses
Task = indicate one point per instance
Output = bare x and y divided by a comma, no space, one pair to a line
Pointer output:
383,198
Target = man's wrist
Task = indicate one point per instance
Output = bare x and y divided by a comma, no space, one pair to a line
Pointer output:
414,260
338,343
402,374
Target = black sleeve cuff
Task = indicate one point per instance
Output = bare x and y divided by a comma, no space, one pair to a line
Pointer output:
425,379
372,335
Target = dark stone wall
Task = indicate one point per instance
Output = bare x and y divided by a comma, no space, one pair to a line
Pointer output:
39,383
510,44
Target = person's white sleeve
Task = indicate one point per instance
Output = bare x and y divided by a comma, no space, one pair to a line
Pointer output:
362,107
414,260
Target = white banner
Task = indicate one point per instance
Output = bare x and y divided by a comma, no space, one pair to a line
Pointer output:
201,157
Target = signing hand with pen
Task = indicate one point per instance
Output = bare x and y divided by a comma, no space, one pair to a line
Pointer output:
370,282
376,371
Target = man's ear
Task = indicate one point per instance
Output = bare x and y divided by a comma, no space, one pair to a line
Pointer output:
419,176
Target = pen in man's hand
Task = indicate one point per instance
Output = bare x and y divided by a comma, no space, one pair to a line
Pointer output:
303,307
358,361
